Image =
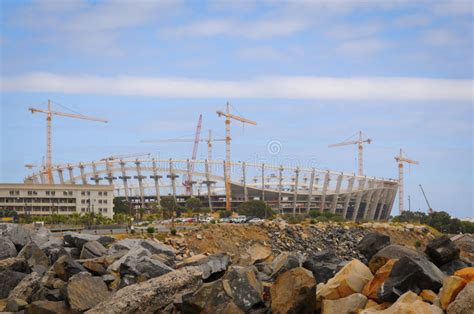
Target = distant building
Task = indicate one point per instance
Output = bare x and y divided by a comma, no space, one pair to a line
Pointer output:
62,199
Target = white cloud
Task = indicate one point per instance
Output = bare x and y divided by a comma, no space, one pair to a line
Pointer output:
364,47
385,89
440,37
453,7
412,20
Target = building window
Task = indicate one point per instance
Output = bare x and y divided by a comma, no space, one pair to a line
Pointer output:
47,192
105,193
12,192
100,201
70,193
53,193
105,201
105,210
83,193
83,201
88,193
30,192
100,193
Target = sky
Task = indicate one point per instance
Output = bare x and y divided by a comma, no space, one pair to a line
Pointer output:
310,73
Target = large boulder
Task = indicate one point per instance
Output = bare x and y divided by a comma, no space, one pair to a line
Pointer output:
411,273
143,266
47,307
347,305
350,279
294,291
26,287
153,247
371,243
21,235
35,258
452,285
13,263
371,288
135,252
7,248
324,265
54,248
453,266
442,250
152,295
409,302
464,302
283,262
65,267
259,252
92,249
78,240
466,273
210,298
9,279
389,252
85,291
209,264
241,284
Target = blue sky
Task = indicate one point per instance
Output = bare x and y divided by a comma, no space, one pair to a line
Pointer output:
311,73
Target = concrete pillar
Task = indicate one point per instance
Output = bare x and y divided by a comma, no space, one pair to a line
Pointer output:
140,178
383,200
280,183
374,202
61,176
173,177
389,208
360,193
368,198
263,182
244,178
71,174
325,189
83,175
110,176
188,170
125,178
95,174
208,183
350,186
310,192
295,192
156,178
336,193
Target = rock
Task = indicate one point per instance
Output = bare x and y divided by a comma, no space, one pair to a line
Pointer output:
143,266
294,291
85,291
7,248
78,240
409,302
452,285
47,307
241,284
152,295
371,288
35,258
210,298
74,252
350,279
389,252
95,266
411,273
151,246
442,250
21,235
15,305
371,243
324,265
451,267
26,287
347,305
466,274
8,281
259,252
65,267
13,263
49,280
92,249
134,253
54,248
429,295
464,302
209,264
283,262
158,248
44,293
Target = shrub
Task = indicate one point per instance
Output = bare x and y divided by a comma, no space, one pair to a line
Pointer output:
213,222
150,230
225,214
255,208
417,243
294,219
173,231
314,213
312,221
133,231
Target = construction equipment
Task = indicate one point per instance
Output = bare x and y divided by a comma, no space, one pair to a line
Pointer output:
430,210
360,142
401,159
188,183
209,142
228,117
114,157
49,116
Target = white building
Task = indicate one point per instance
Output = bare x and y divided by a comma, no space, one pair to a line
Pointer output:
46,199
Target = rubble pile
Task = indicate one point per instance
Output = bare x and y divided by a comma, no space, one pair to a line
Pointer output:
296,269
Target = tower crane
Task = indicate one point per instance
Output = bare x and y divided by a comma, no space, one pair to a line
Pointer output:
113,157
360,142
430,210
401,159
210,140
228,117
49,117
188,183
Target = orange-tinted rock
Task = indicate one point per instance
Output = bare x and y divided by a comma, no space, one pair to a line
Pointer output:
408,303
452,285
466,274
371,288
350,279
429,295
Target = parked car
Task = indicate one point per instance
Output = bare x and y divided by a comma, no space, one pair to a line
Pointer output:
255,220
239,219
225,220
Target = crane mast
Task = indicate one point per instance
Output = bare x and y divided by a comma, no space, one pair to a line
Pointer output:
228,116
49,117
430,210
188,183
360,142
401,190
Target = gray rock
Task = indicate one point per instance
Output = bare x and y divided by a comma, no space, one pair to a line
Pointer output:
389,252
47,307
153,247
464,302
93,249
15,305
21,235
13,263
85,291
26,287
324,265
35,258
152,295
8,281
241,284
411,273
135,252
144,266
210,298
54,248
451,267
442,250
65,267
44,293
211,264
283,262
7,248
78,240
371,243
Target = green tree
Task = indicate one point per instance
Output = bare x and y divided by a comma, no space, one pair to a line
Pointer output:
255,208
225,214
467,226
121,206
194,204
169,206
141,211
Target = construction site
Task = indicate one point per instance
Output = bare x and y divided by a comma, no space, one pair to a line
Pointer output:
140,180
